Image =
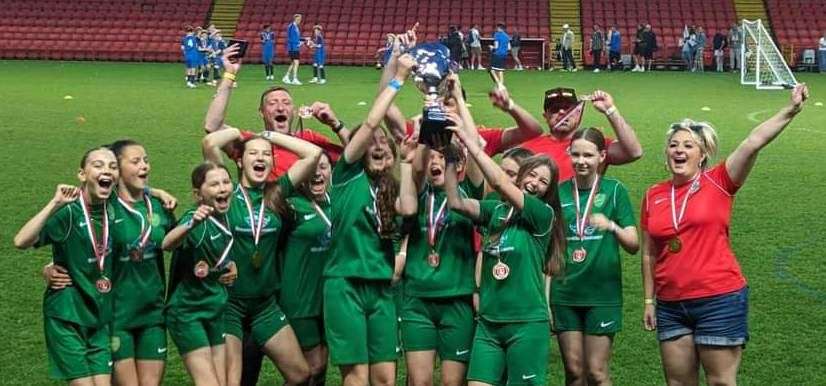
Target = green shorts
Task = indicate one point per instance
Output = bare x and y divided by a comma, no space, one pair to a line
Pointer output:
76,351
592,320
144,343
360,321
510,353
262,316
309,331
442,324
190,336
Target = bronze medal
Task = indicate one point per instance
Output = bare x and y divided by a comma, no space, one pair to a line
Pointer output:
136,254
104,285
257,260
501,270
433,259
675,244
201,269
579,255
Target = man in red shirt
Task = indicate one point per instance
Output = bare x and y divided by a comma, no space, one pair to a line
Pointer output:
563,115
278,113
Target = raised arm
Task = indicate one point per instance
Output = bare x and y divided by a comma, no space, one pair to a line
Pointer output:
175,237
627,147
213,142
360,141
408,197
527,127
472,172
494,175
28,235
741,161
324,114
466,206
394,118
214,120
307,153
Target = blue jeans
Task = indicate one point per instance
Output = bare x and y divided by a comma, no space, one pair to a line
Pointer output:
720,320
822,60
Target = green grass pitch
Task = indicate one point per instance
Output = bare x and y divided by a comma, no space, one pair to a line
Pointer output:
777,230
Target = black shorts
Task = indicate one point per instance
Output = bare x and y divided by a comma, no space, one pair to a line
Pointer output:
294,55
647,54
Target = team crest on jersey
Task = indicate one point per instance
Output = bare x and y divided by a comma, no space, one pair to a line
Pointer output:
114,343
156,220
265,225
589,230
599,200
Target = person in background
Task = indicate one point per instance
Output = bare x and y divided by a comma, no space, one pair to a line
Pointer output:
719,43
649,39
597,46
822,52
498,54
688,43
475,43
699,58
267,52
454,43
293,46
614,47
567,49
189,47
217,46
320,55
638,48
735,41
516,44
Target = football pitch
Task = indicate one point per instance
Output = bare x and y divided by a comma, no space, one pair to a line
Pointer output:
776,232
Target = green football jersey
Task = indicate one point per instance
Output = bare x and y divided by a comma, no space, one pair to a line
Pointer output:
191,298
139,283
257,265
304,254
596,279
520,241
453,273
357,251
72,249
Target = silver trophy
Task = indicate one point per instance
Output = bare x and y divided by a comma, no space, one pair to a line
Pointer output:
432,68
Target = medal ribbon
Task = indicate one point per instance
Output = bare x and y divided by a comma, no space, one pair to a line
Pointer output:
322,214
675,220
582,218
433,222
98,248
374,193
498,236
576,109
225,231
254,227
145,230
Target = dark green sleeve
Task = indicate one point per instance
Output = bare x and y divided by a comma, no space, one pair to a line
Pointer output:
474,192
57,227
538,215
343,172
624,212
287,188
486,211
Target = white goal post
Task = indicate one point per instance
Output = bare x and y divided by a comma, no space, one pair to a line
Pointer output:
762,65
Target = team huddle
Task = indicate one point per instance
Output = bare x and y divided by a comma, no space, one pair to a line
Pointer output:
359,251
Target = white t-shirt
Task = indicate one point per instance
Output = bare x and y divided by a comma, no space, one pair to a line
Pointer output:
823,44
474,38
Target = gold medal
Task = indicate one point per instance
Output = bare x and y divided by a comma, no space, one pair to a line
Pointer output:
201,269
257,260
501,270
579,255
675,244
433,259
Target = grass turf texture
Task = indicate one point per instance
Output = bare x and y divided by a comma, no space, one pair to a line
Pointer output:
775,232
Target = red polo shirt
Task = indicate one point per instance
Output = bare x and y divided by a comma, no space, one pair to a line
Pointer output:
282,159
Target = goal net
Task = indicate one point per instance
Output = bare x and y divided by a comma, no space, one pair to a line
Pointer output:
763,65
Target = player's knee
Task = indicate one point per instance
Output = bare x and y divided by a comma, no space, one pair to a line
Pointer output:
598,375
452,379
300,373
720,380
574,371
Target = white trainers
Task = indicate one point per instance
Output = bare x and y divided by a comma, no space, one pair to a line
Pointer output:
190,85
286,80
482,68
596,70
314,80
323,81
296,82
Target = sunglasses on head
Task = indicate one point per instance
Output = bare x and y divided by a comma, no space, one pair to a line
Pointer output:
695,128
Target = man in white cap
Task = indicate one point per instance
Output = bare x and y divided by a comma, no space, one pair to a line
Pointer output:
567,48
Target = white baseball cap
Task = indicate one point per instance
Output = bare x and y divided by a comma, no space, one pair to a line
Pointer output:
565,26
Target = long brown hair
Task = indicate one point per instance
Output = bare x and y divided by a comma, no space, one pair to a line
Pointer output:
556,248
388,192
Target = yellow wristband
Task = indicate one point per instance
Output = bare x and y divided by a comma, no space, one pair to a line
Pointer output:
229,75
649,301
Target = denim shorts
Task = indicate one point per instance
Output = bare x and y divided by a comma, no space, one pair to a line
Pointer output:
720,320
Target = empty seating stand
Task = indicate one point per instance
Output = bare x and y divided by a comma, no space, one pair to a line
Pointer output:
128,30
797,24
355,29
667,18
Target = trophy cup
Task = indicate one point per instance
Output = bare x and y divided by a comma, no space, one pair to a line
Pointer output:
432,67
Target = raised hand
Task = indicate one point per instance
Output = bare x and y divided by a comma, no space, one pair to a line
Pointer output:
800,94
324,113
602,101
201,214
501,99
231,65
65,194
408,147
406,65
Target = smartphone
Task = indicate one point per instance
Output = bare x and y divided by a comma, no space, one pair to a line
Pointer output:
242,48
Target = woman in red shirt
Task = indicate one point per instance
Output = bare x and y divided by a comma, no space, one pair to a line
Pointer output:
701,306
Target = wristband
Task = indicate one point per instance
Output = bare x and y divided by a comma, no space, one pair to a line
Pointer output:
611,111
648,301
510,105
614,227
229,75
338,127
266,134
395,84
